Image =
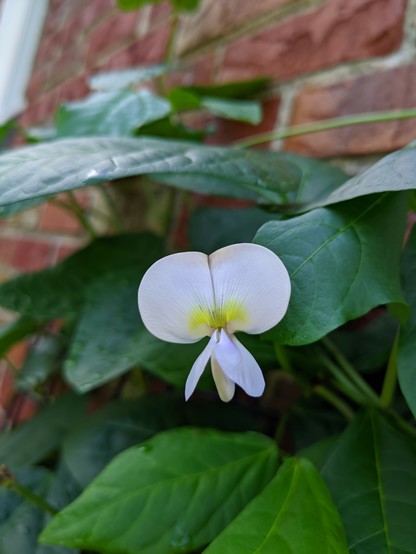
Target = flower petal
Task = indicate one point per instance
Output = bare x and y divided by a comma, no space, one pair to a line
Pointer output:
225,387
199,366
248,375
252,285
170,292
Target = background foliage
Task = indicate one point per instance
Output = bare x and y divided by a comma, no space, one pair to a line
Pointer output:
119,463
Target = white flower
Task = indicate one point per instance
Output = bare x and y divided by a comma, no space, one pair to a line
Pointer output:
187,296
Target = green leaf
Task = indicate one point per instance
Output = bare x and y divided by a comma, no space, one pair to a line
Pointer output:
319,452
60,291
235,89
213,228
293,515
21,521
371,474
179,5
183,99
247,111
16,331
406,358
42,360
175,492
17,207
165,128
319,179
68,164
394,172
110,113
342,261
121,424
123,78
37,438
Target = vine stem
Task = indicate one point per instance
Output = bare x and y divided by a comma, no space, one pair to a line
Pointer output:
390,378
80,215
326,125
115,215
335,400
351,372
8,481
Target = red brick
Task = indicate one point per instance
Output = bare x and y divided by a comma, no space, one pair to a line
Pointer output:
384,90
26,254
230,131
337,32
69,64
215,19
17,354
25,409
160,12
57,219
73,89
37,84
111,33
200,72
148,50
94,12
6,387
42,111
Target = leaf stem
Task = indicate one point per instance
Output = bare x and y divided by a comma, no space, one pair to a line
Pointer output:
351,372
80,215
326,125
342,382
283,357
335,400
115,215
8,481
390,379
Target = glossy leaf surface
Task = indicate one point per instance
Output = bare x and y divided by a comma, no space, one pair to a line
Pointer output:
195,480
293,515
371,474
406,358
110,113
67,164
342,261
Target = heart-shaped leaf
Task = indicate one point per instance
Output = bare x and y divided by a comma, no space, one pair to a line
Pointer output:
293,515
342,261
176,491
371,473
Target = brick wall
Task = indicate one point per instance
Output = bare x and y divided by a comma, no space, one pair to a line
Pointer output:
327,58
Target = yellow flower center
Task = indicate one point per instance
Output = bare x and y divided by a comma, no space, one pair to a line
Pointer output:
219,316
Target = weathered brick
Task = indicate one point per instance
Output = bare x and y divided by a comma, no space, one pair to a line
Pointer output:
73,89
383,90
150,49
160,12
6,388
107,36
55,219
199,72
26,254
215,19
337,32
69,64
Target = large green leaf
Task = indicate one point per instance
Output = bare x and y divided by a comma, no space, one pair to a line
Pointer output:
67,164
60,291
406,359
123,78
371,474
110,113
37,438
394,172
121,424
342,261
293,515
175,492
21,522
